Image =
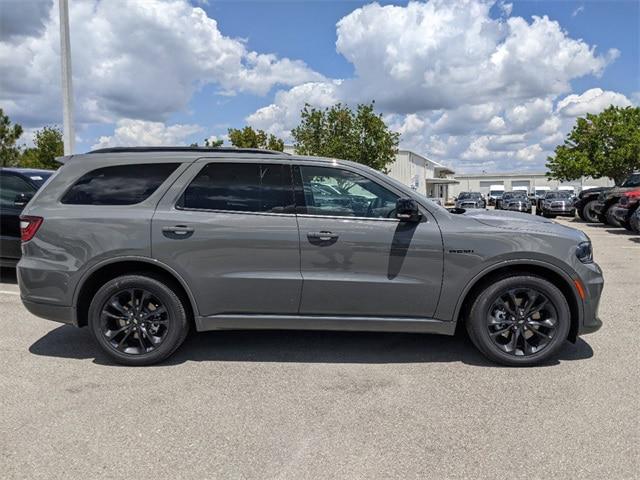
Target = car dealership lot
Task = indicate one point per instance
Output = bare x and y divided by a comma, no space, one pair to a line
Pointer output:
323,404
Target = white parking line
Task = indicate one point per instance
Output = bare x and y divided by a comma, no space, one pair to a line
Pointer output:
9,292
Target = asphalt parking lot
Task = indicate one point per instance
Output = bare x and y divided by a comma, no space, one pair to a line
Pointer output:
325,405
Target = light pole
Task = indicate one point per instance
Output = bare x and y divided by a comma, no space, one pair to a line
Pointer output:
68,135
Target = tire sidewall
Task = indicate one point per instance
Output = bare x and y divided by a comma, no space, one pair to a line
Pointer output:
588,208
178,324
477,321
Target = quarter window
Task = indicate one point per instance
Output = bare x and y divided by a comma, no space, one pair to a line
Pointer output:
118,185
336,192
10,187
241,187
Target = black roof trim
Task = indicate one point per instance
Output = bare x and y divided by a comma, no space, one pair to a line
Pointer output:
187,149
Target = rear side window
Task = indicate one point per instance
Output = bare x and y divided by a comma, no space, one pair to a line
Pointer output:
10,187
241,187
118,185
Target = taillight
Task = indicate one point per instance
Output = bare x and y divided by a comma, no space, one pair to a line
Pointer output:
29,226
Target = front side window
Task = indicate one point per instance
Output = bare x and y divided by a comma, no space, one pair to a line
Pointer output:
336,192
10,187
118,185
241,187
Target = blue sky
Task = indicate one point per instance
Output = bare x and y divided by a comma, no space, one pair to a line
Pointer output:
475,85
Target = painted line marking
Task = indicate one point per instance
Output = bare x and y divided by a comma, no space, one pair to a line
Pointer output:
9,292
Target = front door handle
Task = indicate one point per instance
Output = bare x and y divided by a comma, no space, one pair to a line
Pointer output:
323,236
177,231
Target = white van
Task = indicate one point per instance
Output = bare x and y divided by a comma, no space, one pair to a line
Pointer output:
495,192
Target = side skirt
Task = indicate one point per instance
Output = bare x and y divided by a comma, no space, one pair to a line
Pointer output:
320,322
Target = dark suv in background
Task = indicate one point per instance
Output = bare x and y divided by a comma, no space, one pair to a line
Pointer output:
140,244
607,199
17,187
586,202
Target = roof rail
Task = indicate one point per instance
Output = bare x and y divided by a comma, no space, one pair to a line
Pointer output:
187,149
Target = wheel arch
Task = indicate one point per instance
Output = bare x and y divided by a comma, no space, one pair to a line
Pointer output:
105,271
553,274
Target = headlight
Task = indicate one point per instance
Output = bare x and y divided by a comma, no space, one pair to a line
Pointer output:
584,252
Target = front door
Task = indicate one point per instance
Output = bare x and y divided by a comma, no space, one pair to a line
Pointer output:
357,259
232,234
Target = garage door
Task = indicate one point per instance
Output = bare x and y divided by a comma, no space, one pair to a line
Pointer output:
485,184
521,183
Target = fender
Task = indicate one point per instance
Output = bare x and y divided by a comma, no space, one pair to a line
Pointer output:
133,258
568,277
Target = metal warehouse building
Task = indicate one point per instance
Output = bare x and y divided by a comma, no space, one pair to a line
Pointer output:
480,182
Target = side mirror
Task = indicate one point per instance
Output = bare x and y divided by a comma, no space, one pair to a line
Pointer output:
22,199
407,210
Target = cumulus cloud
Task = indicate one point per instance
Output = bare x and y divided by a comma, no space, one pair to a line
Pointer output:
467,89
133,59
131,133
594,100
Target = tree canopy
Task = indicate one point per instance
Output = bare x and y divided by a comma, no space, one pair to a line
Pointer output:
602,145
340,132
9,135
48,145
250,138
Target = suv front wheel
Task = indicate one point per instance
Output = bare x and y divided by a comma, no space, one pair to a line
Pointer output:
521,320
137,320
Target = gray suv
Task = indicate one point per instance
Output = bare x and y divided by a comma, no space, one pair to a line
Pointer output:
142,244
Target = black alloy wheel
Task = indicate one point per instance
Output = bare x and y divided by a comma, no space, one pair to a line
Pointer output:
522,321
134,321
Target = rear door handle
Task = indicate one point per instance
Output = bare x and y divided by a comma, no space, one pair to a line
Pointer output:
323,236
178,231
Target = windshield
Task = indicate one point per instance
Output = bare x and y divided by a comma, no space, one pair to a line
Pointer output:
468,195
540,192
558,195
510,195
632,181
496,193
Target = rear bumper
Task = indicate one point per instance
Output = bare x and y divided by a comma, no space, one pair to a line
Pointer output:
56,313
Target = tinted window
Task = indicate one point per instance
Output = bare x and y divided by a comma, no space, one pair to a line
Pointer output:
118,185
632,181
331,191
10,186
241,187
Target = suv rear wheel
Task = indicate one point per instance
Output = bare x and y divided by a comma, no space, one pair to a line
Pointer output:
519,321
137,320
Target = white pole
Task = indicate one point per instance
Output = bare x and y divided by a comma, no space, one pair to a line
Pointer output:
68,134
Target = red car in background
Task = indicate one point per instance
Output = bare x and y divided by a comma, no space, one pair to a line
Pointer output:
624,210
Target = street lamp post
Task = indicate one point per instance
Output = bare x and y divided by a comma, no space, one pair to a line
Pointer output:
68,135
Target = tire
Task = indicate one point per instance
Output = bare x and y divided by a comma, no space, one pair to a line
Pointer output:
610,219
482,316
634,221
587,213
166,322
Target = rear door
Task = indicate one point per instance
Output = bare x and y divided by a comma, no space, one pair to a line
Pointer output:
357,259
10,186
229,229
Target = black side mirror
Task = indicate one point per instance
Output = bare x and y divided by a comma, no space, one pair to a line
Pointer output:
407,210
22,199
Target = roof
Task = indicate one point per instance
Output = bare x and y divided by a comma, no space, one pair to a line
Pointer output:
186,149
25,171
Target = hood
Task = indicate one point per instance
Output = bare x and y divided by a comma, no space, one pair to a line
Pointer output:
522,222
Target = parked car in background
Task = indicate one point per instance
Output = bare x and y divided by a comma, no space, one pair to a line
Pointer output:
634,221
626,207
607,199
140,244
471,200
17,187
517,201
556,202
586,201
495,193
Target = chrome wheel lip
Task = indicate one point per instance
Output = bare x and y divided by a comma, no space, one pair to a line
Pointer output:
133,321
522,321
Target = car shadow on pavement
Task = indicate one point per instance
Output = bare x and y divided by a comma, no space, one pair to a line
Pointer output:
8,275
297,346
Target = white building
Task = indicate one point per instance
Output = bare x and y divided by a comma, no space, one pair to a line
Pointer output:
480,182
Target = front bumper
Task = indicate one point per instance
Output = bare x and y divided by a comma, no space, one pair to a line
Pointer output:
563,211
519,208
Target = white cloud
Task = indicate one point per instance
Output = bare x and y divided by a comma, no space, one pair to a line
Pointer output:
577,11
131,133
133,59
594,100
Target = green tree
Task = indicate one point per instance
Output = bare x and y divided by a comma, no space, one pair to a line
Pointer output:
250,138
602,145
48,145
339,132
9,135
209,143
